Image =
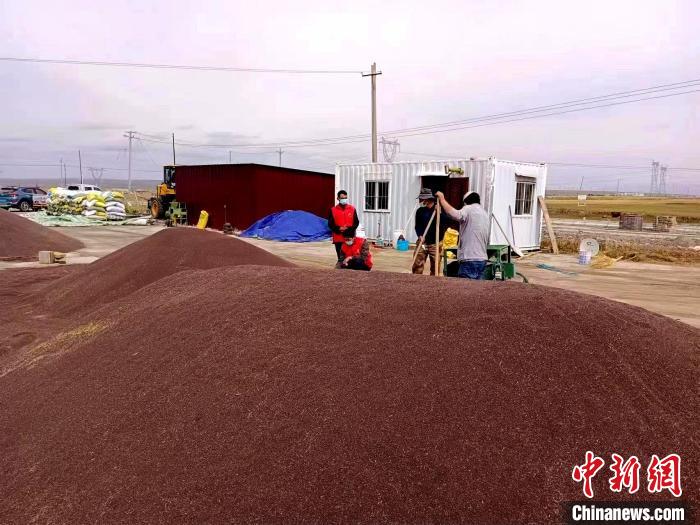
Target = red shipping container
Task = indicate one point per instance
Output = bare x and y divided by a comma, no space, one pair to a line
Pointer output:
250,192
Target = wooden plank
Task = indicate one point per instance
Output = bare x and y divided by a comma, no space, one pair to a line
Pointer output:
437,239
550,227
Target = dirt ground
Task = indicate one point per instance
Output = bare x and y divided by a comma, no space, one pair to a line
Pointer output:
98,240
667,289
687,235
681,245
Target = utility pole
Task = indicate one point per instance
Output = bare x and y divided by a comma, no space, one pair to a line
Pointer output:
581,185
60,175
618,187
229,156
279,152
374,74
174,149
80,163
130,136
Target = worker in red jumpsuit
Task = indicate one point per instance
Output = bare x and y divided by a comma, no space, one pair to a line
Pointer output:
354,253
342,217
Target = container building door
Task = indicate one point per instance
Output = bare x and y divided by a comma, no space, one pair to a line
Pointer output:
454,189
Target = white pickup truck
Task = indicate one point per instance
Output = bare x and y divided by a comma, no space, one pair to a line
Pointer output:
79,188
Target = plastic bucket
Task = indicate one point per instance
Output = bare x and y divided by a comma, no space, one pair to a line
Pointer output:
402,245
584,257
395,237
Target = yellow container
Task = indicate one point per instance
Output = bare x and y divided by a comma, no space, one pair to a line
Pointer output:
203,219
450,240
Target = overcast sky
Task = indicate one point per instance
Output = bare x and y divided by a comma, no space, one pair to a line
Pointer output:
441,61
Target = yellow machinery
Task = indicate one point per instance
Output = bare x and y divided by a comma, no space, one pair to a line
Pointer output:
165,194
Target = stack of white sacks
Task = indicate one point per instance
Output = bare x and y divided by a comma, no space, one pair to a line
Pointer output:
106,205
96,205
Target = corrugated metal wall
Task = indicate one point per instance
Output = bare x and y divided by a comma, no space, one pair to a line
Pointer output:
405,184
525,229
493,179
250,192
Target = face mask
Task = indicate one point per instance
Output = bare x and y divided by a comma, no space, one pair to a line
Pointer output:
343,201
349,242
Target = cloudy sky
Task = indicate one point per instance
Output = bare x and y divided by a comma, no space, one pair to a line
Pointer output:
442,61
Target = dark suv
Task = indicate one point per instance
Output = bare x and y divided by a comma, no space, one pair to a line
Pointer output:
24,198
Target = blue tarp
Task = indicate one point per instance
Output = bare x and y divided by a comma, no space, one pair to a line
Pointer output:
290,226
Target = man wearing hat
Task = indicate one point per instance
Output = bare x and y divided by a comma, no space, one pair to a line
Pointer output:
473,234
429,246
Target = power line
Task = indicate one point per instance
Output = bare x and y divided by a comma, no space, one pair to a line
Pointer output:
613,176
443,157
183,66
605,166
565,164
140,143
549,114
663,87
432,129
683,169
158,139
435,155
53,165
578,102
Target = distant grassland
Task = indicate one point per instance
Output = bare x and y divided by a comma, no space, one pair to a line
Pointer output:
686,210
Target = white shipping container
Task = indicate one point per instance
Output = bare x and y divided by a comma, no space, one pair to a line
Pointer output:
385,194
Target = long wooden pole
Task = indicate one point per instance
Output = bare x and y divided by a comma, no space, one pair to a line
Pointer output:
437,239
422,237
548,222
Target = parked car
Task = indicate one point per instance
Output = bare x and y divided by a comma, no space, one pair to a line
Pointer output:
24,198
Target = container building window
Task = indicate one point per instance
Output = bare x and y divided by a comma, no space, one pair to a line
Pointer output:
376,195
524,196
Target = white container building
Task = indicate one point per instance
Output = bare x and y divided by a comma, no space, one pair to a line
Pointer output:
385,195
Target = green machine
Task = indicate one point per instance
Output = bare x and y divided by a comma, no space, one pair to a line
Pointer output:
176,214
499,267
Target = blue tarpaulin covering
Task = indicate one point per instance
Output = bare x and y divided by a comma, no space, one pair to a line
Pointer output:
290,226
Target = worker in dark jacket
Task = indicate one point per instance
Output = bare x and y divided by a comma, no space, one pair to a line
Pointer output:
355,253
428,248
342,217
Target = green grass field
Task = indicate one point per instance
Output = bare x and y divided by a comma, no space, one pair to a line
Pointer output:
685,209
